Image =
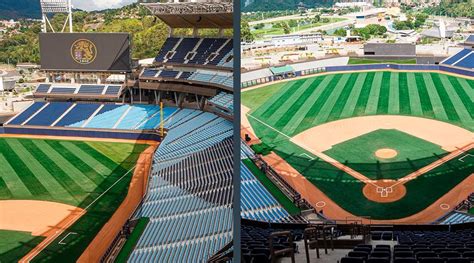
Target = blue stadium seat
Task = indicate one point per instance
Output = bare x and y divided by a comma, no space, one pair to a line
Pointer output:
49,114
78,115
107,116
27,113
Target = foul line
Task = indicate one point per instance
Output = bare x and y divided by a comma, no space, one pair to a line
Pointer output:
61,241
51,238
288,137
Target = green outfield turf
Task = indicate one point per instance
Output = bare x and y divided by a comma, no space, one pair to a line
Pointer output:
359,153
13,243
70,172
295,106
358,61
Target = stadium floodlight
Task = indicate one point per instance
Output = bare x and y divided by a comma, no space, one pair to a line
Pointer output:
54,7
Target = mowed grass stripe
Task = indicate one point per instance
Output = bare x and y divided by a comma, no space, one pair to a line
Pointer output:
318,104
12,180
323,114
394,95
292,118
299,116
364,94
384,94
457,103
404,95
342,99
5,192
54,170
274,97
115,154
468,86
467,100
415,103
83,161
281,116
444,98
424,96
94,153
438,107
267,111
351,102
67,167
48,186
85,168
372,102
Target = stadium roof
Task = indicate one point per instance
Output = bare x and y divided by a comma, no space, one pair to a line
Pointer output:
281,70
194,15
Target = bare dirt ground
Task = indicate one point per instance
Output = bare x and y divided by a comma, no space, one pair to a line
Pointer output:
322,137
35,216
55,217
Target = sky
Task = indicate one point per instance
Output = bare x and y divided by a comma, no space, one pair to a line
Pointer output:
90,5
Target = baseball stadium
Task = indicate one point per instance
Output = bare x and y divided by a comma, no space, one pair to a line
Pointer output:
360,154
114,161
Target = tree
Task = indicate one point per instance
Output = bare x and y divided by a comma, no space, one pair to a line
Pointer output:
259,26
292,23
286,28
340,32
245,34
317,18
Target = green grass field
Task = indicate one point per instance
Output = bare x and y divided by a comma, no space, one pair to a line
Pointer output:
290,108
359,61
70,172
359,153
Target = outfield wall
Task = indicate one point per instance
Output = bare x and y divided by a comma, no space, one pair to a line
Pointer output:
112,134
350,68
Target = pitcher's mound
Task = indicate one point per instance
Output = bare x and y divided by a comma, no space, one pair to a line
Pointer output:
386,153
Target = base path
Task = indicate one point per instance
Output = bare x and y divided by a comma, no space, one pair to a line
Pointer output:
333,211
48,219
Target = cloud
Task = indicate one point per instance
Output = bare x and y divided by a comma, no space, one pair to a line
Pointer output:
100,4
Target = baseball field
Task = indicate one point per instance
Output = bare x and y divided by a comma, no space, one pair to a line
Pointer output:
384,145
46,183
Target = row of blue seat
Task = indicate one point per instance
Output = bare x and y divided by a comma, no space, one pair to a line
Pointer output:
256,202
92,115
199,51
85,89
185,75
457,218
189,199
224,100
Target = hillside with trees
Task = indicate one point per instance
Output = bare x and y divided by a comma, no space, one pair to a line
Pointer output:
274,5
148,32
15,9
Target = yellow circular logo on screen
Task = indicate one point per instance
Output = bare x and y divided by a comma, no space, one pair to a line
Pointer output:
83,51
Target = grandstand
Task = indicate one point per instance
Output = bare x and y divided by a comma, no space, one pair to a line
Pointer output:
180,194
464,59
